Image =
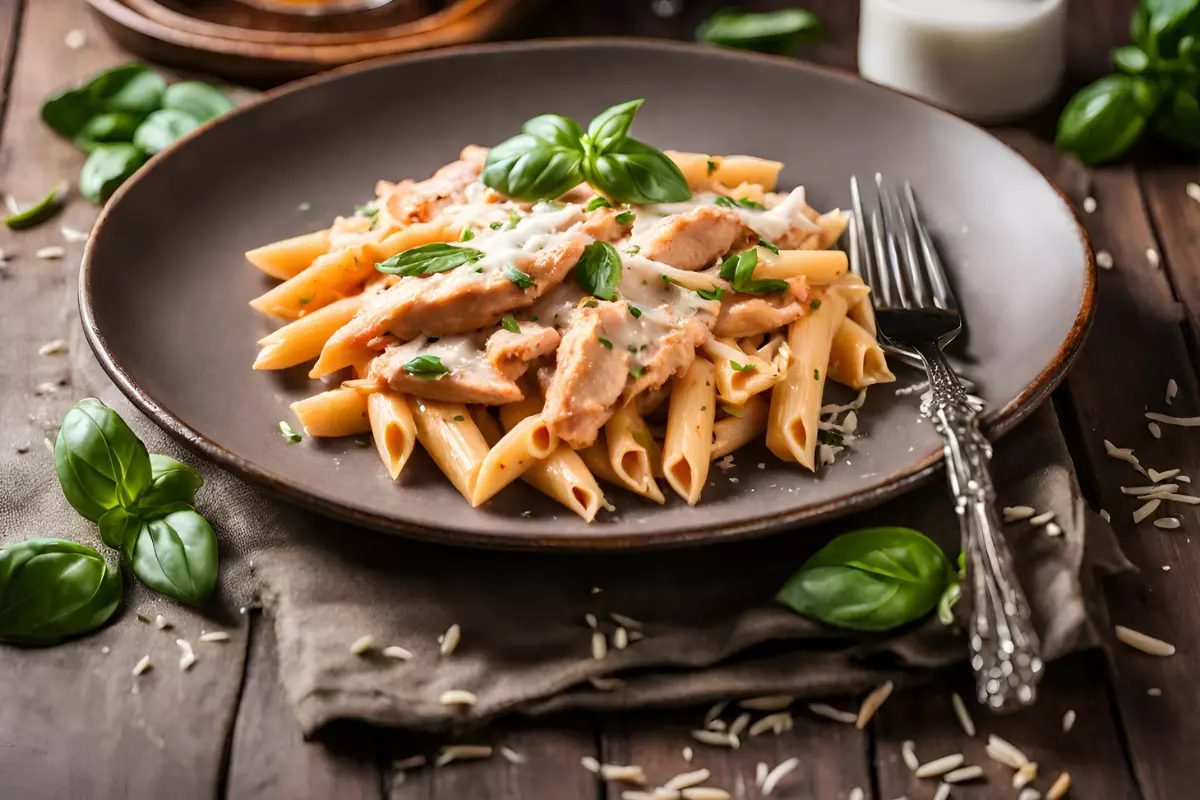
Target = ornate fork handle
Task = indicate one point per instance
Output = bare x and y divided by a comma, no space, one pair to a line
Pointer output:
1005,653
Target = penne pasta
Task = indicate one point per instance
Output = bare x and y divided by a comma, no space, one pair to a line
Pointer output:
597,459
394,430
796,400
743,425
697,168
562,475
735,170
739,376
303,339
338,412
632,451
819,267
856,359
453,441
525,444
688,446
289,257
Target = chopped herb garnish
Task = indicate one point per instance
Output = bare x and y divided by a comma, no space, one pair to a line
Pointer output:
733,411
769,245
746,202
816,374
829,437
633,250
704,408
509,323
643,347
636,372
459,418
815,304
712,166
495,225
38,213
526,514
632,348
519,278
624,218
305,300
468,234
734,202
513,219
739,269
533,318
427,368
637,312
714,294
605,342
741,367
305,206
591,304
368,210
361,443
479,270
598,202
289,432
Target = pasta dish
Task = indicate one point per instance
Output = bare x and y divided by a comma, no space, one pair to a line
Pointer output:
553,311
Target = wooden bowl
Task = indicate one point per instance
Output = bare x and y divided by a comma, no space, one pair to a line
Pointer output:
262,48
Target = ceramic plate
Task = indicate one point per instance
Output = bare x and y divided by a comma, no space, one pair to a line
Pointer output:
164,286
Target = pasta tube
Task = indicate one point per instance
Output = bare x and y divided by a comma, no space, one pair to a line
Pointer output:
632,451
598,461
289,257
338,412
856,359
743,425
739,376
735,170
818,266
528,442
452,439
303,339
394,429
688,446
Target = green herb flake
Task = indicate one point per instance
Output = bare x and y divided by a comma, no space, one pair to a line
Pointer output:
637,312
711,166
633,250
636,372
305,206
509,323
769,245
495,225
533,318
816,374
526,514
605,342
716,293
625,217
305,300
514,219
598,202
37,213
288,432
361,443
521,279
426,367
591,304
815,304
368,210
733,411
741,367
468,234
459,418
780,32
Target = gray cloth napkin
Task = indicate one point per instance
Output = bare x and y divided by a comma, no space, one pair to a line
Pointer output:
711,629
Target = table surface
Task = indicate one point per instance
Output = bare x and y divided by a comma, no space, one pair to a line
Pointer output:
69,726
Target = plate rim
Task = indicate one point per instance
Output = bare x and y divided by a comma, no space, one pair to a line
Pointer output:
995,424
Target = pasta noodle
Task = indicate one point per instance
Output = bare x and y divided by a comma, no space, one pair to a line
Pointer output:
526,443
394,430
338,412
289,257
453,441
856,359
303,339
688,447
740,426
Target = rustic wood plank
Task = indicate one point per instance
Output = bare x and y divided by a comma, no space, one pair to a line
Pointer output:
1176,219
833,756
1091,752
269,756
74,721
551,747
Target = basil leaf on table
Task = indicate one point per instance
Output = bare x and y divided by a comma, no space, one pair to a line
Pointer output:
37,213
611,126
176,554
107,167
101,463
636,172
874,579
68,111
1105,118
428,259
171,481
1178,119
117,526
198,100
599,270
555,129
132,88
780,32
51,589
110,126
161,129
528,167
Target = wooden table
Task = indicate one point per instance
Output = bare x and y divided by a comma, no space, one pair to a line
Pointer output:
69,726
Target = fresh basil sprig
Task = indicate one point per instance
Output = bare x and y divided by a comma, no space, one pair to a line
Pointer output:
51,589
552,154
1157,87
171,482
175,553
739,269
874,579
162,128
599,270
428,259
781,32
100,461
426,367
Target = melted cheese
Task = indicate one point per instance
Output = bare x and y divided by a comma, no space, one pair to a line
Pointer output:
770,224
464,353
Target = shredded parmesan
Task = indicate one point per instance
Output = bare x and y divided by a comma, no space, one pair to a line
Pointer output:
940,766
141,666
687,779
871,704
214,636
1167,419
1025,775
1041,519
1146,510
458,697
1005,753
1147,644
1155,431
606,684
1157,476
449,641
776,702
1104,259
1172,390
964,716
1060,787
397,652
1068,722
187,656
835,714
964,774
462,752
781,771
1169,523
1153,257
908,750
362,644
1089,205
1016,513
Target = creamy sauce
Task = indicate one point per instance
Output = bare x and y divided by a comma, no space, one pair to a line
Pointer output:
770,224
463,353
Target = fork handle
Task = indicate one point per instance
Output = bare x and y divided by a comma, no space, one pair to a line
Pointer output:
1005,653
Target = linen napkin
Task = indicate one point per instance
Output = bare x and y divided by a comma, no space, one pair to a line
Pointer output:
702,621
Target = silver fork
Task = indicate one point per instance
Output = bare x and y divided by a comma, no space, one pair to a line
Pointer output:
917,315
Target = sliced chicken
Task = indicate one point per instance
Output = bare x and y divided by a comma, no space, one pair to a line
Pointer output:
510,353
602,224
421,201
692,240
590,374
753,315
669,355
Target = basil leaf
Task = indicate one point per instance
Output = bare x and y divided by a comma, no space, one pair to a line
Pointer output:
51,589
1178,120
1105,118
198,100
599,270
101,463
162,128
597,202
874,579
739,269
111,126
611,126
117,526
780,32
1130,59
37,213
509,323
528,167
518,277
716,293
946,602
635,172
176,554
131,88
171,481
106,168
428,368
68,111
428,259
1168,21
561,131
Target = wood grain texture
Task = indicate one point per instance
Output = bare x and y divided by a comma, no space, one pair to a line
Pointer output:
269,756
833,756
1176,220
1091,752
74,722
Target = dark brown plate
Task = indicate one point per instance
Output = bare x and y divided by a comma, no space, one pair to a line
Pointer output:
164,287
